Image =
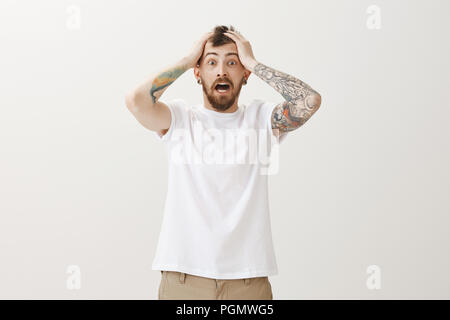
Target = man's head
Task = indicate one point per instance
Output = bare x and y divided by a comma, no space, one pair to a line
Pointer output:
220,63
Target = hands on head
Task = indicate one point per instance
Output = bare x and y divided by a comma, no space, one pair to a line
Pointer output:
243,46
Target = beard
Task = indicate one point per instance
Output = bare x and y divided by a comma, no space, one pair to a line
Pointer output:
221,102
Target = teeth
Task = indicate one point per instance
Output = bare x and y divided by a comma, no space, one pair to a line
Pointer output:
223,83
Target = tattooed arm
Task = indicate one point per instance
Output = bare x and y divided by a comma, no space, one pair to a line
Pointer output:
301,103
143,101
149,91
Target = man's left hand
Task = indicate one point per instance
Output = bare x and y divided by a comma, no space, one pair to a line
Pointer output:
245,51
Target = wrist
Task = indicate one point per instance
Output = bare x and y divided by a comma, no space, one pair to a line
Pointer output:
252,64
185,63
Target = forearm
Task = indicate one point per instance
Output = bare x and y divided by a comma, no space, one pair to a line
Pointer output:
151,90
301,100
291,88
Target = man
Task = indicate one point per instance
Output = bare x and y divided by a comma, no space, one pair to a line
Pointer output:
215,240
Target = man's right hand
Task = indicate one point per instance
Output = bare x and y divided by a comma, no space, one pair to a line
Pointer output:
197,51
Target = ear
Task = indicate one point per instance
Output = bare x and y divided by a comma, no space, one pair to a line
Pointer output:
196,73
197,66
199,62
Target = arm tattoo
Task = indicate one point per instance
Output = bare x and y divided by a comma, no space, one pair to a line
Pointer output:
301,100
165,79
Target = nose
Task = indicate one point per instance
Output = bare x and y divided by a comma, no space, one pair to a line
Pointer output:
221,70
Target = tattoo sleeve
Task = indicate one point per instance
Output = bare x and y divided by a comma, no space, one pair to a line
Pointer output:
152,88
165,79
301,103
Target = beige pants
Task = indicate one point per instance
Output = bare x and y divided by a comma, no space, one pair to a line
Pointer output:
183,286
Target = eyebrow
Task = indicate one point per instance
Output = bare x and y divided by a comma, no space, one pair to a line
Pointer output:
228,54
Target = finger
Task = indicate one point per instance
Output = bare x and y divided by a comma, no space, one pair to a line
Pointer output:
235,33
238,37
207,35
205,38
230,35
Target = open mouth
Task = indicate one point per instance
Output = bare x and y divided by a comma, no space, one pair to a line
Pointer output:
222,87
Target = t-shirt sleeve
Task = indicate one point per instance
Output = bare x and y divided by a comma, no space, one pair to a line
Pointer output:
177,110
267,108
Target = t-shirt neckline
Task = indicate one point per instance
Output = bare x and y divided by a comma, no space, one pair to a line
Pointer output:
220,114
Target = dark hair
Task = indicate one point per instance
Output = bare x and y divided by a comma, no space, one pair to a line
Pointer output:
218,38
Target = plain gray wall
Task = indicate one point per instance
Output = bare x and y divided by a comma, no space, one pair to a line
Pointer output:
364,182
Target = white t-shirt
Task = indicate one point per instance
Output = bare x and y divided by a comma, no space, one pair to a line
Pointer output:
216,221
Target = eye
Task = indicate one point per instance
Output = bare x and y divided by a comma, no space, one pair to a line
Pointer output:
234,62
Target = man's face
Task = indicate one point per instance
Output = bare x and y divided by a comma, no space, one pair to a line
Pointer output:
221,65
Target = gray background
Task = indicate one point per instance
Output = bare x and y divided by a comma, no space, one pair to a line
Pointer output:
364,182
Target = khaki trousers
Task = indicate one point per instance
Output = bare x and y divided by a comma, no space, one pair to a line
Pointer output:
176,285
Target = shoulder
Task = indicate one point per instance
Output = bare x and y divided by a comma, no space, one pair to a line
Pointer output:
261,108
179,107
262,104
175,103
